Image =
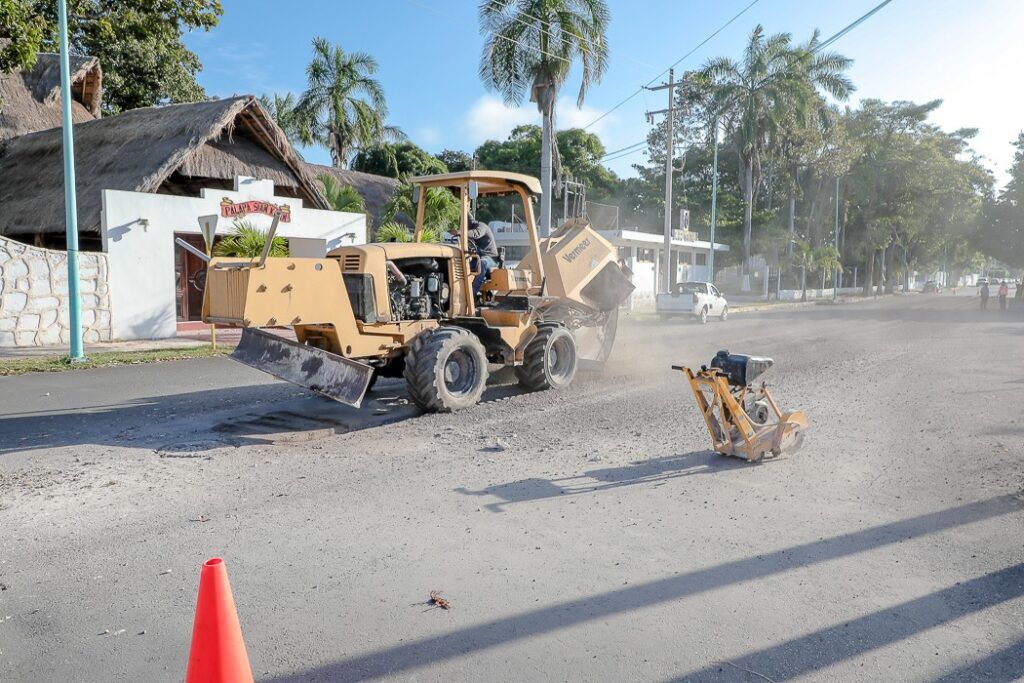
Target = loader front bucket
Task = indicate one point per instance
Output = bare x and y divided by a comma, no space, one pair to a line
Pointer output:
321,371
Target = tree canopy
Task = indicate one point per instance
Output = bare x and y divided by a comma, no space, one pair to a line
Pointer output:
140,46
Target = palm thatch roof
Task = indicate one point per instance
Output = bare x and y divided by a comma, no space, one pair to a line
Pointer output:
145,150
30,100
375,190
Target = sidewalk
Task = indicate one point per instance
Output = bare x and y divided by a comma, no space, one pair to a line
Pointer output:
226,338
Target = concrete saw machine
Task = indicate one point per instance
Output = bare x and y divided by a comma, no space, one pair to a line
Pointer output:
743,420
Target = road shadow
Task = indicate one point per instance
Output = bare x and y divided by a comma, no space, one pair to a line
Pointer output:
911,617
654,472
193,423
837,643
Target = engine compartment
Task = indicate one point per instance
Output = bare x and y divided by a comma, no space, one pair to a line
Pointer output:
418,288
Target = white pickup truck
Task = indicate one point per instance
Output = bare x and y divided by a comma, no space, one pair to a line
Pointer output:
697,299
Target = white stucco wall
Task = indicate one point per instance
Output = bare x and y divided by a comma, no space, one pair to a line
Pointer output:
138,232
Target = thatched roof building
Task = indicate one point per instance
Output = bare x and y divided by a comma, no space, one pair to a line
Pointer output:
375,190
30,100
176,149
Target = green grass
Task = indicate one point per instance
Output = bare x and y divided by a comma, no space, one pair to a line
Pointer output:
21,366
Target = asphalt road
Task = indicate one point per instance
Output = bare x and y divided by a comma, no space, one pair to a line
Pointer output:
580,535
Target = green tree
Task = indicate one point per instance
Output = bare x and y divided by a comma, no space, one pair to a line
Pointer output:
442,212
342,197
774,79
455,160
530,47
1001,234
247,241
343,107
401,160
21,33
284,110
139,45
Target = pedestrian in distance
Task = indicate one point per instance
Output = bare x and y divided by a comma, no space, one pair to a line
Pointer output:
1018,296
985,293
1004,291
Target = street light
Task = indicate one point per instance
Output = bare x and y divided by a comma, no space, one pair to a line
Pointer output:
76,351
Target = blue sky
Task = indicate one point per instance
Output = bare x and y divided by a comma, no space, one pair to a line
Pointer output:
967,53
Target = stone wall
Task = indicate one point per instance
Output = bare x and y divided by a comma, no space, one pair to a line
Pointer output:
34,295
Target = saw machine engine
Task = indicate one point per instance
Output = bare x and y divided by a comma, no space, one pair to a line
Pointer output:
417,288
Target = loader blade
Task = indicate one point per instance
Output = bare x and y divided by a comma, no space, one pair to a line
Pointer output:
321,371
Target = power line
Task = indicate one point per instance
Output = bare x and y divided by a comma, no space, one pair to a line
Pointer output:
852,26
688,54
623,149
496,35
821,46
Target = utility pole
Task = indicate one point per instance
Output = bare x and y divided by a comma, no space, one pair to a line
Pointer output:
76,351
667,277
714,206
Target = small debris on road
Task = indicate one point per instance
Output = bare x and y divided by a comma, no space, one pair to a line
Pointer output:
200,518
439,601
166,571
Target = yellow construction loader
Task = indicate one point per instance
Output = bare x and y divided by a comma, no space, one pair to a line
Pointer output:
410,310
744,421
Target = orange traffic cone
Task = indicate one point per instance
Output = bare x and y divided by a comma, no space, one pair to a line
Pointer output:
218,652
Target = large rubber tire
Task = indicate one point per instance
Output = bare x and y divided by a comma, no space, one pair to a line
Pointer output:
446,370
725,314
703,317
549,361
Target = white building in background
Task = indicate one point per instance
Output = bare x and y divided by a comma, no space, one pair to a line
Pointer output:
156,285
642,252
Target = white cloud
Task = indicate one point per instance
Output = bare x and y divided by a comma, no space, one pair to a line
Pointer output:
428,136
490,119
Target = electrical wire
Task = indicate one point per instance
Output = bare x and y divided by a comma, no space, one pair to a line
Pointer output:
850,27
821,46
495,34
676,63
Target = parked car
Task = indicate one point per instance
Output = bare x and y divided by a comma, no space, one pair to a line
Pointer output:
931,287
698,300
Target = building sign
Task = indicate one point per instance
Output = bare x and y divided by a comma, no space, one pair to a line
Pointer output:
230,209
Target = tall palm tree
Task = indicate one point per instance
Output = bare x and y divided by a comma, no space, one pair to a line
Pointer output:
343,107
284,111
773,80
530,46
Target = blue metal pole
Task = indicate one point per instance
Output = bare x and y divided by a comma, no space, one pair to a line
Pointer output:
714,207
70,201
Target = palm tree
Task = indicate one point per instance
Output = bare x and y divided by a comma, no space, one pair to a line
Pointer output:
343,107
342,197
530,46
284,111
801,256
247,241
773,81
441,214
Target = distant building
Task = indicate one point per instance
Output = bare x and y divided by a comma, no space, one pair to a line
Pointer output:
641,251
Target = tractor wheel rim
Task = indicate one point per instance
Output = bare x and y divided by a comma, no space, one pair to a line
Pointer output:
559,359
459,372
